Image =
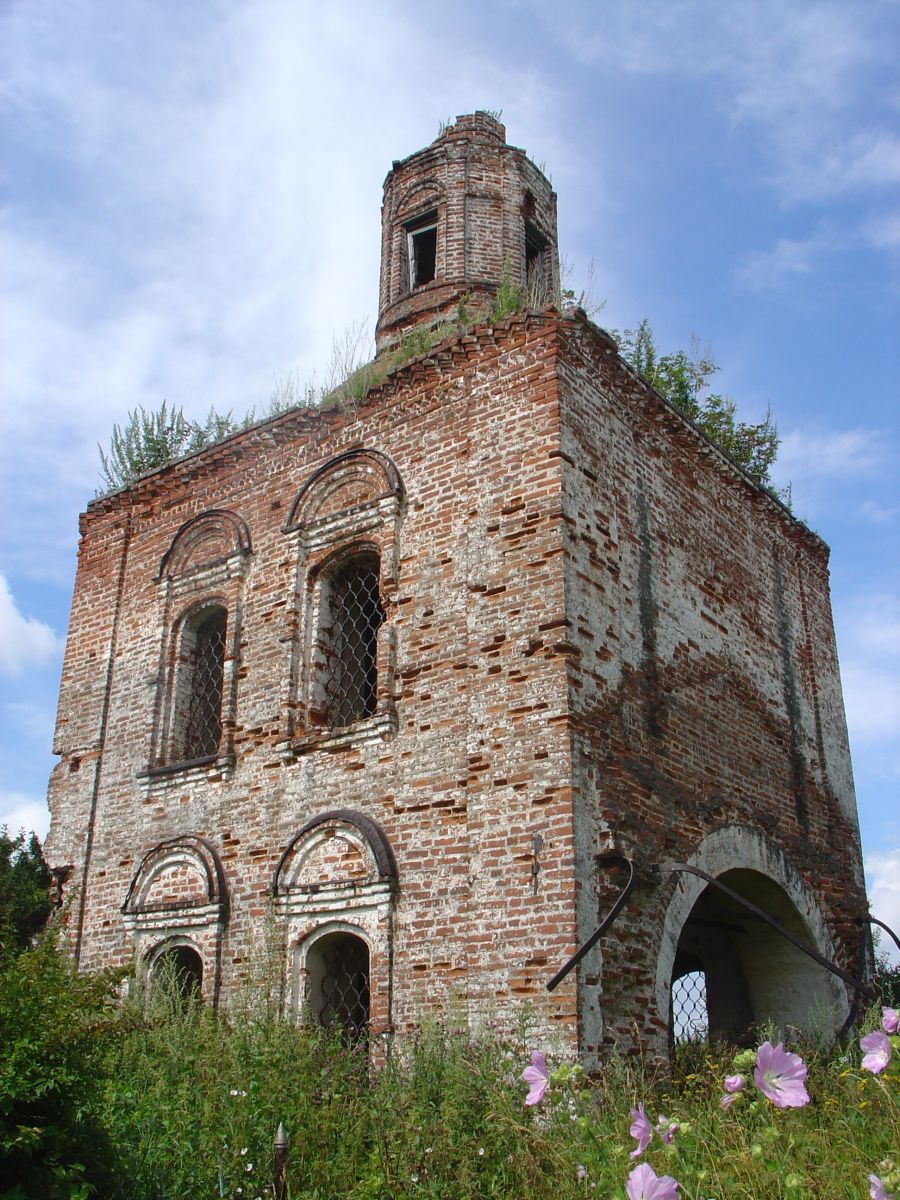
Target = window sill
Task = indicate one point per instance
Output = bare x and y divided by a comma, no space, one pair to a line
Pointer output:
212,767
377,728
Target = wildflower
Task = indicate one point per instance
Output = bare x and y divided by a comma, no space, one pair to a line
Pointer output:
644,1184
877,1051
537,1077
734,1085
780,1076
890,1020
641,1130
666,1129
481,1151
581,1173
877,1190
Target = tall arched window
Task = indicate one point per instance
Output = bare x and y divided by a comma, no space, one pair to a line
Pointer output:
352,614
198,703
337,983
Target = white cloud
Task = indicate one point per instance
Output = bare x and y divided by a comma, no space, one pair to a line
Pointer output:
24,641
870,667
35,722
834,454
768,270
883,870
799,74
18,811
878,514
872,701
883,231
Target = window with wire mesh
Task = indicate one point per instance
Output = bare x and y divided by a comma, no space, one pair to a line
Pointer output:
349,643
690,1022
201,700
343,999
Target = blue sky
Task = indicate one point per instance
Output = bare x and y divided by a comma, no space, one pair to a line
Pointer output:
191,203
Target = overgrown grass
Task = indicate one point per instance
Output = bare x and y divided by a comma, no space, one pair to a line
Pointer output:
99,1098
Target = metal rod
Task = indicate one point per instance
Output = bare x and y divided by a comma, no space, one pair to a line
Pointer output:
598,933
776,925
279,1185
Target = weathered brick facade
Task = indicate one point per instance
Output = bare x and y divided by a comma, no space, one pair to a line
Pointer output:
590,633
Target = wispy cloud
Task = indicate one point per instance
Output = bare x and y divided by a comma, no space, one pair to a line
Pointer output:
24,641
32,720
18,811
870,670
769,270
883,871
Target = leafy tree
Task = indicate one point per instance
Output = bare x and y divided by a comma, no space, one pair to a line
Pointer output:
55,1026
24,892
684,380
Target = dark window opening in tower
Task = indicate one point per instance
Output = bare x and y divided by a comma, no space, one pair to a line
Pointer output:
421,240
535,266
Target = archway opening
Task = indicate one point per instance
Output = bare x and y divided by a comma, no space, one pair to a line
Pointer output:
337,984
734,973
178,972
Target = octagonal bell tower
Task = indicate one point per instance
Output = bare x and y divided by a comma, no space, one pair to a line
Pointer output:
458,217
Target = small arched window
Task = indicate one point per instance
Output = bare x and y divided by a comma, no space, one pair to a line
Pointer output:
352,614
198,703
337,992
178,973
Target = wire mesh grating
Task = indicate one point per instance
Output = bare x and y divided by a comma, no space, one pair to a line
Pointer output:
356,613
690,1022
203,721
345,987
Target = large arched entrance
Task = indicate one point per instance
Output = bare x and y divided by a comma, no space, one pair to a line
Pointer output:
733,972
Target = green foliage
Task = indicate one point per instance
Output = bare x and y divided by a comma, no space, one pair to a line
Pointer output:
175,1102
684,380
148,440
887,980
24,891
56,1029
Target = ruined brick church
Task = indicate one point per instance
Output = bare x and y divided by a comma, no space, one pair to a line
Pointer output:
432,685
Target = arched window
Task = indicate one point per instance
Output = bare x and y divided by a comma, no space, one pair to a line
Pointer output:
198,702
178,972
337,983
352,614
689,1021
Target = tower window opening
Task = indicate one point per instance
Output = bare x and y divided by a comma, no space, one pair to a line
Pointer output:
421,249
535,266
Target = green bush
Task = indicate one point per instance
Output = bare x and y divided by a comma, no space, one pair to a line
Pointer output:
175,1102
57,1028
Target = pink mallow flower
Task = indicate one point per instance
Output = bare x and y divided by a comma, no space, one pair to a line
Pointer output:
644,1184
537,1077
734,1085
877,1189
666,1129
876,1049
781,1076
641,1130
890,1020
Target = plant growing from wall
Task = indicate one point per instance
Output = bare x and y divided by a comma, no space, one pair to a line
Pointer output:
683,378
